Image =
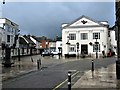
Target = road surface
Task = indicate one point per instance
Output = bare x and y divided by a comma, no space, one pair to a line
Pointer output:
55,77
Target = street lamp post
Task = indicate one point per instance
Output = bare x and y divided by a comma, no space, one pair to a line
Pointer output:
59,52
68,46
77,48
96,46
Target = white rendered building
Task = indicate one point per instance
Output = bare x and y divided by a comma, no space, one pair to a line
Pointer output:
58,46
36,41
10,30
8,34
113,42
79,36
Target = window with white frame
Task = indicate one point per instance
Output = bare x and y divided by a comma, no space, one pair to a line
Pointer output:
96,47
84,36
8,28
12,30
11,38
96,35
72,36
72,49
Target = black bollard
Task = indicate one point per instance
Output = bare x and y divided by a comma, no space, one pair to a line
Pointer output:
69,80
92,65
18,54
59,55
38,66
92,69
40,63
31,59
30,51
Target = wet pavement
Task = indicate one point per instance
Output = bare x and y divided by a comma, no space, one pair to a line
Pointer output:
57,69
28,64
21,67
103,78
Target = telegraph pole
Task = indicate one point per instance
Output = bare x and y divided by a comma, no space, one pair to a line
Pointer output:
117,24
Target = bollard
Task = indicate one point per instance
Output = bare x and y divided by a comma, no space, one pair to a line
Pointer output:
31,59
18,54
92,69
38,66
59,55
69,80
40,63
92,65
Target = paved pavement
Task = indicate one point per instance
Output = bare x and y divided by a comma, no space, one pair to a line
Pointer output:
103,78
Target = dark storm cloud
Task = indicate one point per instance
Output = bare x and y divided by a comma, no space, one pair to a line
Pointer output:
46,18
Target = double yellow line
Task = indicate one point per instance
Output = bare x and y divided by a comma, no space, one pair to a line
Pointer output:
65,81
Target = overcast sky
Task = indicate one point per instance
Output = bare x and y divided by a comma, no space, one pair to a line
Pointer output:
45,18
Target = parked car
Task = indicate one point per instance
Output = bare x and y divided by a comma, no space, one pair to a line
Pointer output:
54,53
46,53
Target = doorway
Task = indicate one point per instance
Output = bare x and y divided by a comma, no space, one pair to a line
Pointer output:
84,48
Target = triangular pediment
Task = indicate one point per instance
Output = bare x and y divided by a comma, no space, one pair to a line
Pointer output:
84,21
